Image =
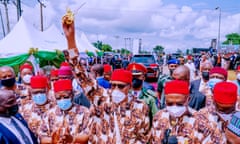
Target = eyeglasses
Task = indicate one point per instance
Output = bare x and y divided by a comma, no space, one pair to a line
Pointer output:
120,86
218,77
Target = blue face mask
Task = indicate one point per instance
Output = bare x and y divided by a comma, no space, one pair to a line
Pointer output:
213,82
64,104
39,98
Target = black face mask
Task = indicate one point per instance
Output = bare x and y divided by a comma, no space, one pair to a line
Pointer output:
12,110
205,75
8,82
137,83
171,71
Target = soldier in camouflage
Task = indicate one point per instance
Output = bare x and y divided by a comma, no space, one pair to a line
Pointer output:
172,64
138,89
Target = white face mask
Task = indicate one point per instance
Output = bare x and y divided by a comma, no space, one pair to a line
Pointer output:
117,96
238,76
176,111
27,78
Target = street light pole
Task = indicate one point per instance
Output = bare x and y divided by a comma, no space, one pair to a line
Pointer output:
219,26
41,13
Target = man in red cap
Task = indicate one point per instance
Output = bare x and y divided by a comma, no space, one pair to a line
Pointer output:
26,72
127,115
138,90
177,119
104,80
66,122
65,72
224,98
216,75
33,111
117,117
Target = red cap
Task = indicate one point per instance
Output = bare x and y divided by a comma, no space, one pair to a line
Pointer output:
38,82
62,85
189,57
54,72
219,70
122,75
137,68
107,68
238,68
65,70
225,93
27,66
64,64
177,87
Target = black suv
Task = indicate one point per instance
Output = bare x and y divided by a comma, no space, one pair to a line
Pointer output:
149,62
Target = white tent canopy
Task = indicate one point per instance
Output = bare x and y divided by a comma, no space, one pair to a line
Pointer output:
19,40
24,36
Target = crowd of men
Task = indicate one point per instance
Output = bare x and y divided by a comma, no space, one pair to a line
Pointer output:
109,106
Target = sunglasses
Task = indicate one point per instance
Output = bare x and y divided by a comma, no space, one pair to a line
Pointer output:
120,86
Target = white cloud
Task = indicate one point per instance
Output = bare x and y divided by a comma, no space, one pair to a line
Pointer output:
172,26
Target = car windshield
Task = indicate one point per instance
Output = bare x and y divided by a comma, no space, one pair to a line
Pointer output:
144,59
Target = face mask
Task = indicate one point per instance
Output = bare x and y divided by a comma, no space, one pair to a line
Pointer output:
225,117
27,78
171,71
39,98
238,76
64,104
12,110
213,82
205,75
137,83
176,111
118,96
8,82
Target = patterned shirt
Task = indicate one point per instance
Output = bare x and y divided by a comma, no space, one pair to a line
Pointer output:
57,123
23,95
125,123
33,114
188,128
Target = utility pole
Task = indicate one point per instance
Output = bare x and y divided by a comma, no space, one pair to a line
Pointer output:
19,9
3,29
41,13
219,26
5,2
17,3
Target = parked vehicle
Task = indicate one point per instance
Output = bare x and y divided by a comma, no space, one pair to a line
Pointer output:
150,62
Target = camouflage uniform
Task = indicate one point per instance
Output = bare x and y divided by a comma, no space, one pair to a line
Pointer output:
71,123
188,128
125,123
161,84
148,96
33,114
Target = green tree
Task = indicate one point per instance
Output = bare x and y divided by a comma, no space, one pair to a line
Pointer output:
124,51
233,38
106,47
98,45
158,49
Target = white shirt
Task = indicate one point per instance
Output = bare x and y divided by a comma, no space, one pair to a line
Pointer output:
7,123
192,70
203,85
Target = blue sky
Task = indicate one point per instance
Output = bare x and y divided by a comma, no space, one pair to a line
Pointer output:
174,24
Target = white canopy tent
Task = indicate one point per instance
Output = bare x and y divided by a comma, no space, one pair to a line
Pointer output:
19,40
24,36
